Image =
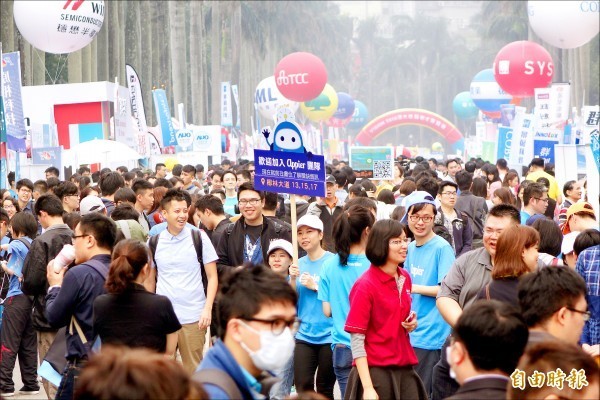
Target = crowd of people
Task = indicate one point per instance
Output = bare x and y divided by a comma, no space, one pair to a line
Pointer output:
451,280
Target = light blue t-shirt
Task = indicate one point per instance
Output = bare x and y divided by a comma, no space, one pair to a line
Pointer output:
428,265
315,327
334,288
18,251
229,206
524,217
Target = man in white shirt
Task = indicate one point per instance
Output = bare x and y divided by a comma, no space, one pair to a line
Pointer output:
190,286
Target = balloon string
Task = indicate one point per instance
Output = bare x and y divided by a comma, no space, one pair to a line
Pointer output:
37,52
61,68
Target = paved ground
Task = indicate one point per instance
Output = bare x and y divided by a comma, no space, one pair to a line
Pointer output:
19,384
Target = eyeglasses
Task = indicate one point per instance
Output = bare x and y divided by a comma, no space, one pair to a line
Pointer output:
73,237
453,194
586,314
416,218
399,242
279,325
252,202
544,200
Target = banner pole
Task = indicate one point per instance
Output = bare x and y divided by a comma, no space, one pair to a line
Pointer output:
294,228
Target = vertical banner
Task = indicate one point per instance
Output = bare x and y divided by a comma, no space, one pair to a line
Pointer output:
504,142
590,116
561,97
13,105
236,98
226,112
163,115
507,114
521,151
137,109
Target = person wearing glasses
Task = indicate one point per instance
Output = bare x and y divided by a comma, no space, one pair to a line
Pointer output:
49,211
456,222
428,261
380,314
535,201
553,304
68,193
71,293
247,240
257,324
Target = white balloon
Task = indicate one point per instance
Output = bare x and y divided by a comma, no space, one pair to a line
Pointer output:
60,26
565,24
267,99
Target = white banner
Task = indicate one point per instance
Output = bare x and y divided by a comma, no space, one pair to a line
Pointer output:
521,151
226,112
236,98
590,116
137,109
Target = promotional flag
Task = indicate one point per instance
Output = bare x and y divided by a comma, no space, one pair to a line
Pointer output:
236,98
137,109
12,102
163,115
226,112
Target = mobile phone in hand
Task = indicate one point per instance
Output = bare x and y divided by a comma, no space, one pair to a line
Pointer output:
411,316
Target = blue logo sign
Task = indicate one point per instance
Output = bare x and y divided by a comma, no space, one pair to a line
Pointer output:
289,172
544,149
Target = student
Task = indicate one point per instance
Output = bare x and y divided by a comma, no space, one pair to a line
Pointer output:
339,273
455,221
279,259
18,336
230,185
327,209
313,341
256,335
380,314
428,261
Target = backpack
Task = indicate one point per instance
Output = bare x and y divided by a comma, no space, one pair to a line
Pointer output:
197,239
220,379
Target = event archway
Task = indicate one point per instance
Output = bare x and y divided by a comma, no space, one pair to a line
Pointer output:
410,116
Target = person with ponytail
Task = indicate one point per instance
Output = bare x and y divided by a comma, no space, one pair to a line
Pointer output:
128,314
339,272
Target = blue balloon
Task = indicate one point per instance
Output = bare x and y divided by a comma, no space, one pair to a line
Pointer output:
360,116
486,93
463,106
345,106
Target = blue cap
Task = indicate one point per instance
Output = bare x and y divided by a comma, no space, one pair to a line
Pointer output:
416,197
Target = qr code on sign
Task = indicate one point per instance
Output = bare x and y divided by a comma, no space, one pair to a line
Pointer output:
382,169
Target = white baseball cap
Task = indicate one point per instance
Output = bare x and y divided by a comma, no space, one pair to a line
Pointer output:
90,204
280,244
312,221
568,242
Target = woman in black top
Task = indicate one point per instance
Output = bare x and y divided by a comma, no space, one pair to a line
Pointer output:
129,315
516,255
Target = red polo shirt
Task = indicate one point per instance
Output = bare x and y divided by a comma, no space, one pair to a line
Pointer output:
377,310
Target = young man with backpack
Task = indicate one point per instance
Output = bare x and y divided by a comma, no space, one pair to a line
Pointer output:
71,294
455,223
185,272
257,325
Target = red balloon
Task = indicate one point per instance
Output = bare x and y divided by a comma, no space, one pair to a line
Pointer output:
522,66
300,76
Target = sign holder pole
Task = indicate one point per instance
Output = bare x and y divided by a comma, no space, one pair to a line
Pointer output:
294,229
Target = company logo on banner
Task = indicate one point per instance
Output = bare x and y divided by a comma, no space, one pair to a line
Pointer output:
13,104
163,115
185,138
236,98
505,135
137,109
544,149
46,156
226,112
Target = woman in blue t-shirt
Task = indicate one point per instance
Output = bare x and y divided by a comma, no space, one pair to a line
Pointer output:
17,334
351,231
313,340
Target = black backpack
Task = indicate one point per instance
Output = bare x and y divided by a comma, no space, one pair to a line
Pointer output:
197,239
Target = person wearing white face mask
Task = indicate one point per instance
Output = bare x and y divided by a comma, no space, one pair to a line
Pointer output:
257,310
487,342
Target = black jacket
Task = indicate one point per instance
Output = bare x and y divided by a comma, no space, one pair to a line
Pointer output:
231,245
43,249
485,388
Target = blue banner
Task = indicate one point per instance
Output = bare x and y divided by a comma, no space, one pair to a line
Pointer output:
163,115
504,142
13,104
544,149
595,145
287,172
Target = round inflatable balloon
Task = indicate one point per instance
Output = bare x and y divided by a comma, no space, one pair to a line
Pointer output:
170,163
345,106
564,24
300,76
360,116
437,147
268,99
322,107
59,26
522,66
463,106
486,93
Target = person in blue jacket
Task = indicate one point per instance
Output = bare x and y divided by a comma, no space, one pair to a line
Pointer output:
257,323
